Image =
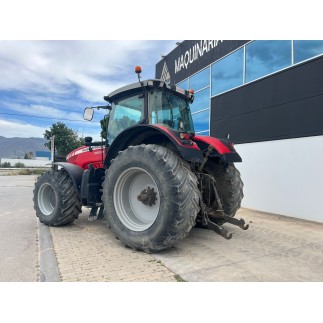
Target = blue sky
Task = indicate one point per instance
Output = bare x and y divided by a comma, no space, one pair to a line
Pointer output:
43,82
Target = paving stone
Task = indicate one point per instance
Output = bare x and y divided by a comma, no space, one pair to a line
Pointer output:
88,251
275,248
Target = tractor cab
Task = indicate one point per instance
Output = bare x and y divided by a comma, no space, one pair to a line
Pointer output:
150,102
155,112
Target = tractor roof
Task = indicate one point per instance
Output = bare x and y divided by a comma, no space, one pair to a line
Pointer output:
145,85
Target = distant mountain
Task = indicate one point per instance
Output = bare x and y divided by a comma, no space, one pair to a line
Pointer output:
17,147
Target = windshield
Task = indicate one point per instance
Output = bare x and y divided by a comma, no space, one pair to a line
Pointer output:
170,110
124,114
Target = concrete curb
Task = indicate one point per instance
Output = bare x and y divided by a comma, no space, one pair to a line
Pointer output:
47,260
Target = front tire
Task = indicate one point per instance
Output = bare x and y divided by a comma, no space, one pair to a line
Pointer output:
56,201
167,215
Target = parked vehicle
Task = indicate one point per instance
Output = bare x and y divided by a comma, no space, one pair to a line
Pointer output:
153,179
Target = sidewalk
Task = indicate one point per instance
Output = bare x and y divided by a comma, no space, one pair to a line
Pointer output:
88,251
275,248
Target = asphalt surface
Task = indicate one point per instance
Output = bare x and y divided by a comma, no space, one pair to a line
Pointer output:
18,230
274,249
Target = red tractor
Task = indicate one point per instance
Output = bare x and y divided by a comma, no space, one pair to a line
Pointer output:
154,179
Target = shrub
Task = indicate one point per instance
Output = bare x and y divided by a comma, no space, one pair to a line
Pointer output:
31,171
5,165
19,165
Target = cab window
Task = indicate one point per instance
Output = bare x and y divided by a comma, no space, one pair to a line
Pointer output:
124,114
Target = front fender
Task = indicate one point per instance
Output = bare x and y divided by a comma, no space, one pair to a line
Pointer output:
74,171
152,134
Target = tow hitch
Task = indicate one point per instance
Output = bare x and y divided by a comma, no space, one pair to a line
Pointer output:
220,229
207,184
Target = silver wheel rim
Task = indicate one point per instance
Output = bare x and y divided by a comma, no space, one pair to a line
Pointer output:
135,215
46,199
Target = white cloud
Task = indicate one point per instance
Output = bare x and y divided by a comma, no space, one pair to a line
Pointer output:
95,67
11,129
44,111
58,79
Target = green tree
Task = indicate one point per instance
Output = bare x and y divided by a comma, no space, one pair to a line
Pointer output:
19,165
66,139
29,155
104,126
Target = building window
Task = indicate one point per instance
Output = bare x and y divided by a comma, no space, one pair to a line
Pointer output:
266,56
201,121
305,49
201,100
227,73
183,85
200,80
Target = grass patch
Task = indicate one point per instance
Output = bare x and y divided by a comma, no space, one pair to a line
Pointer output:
27,171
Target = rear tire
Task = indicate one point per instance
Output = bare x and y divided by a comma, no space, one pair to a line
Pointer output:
229,186
56,201
169,219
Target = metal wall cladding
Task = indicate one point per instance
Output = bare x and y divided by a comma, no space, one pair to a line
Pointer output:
288,104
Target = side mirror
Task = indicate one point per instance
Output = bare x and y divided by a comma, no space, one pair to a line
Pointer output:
88,114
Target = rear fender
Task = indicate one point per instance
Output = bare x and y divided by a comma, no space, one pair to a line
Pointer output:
74,171
153,134
222,148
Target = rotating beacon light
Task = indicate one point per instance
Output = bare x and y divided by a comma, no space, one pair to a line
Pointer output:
138,71
191,92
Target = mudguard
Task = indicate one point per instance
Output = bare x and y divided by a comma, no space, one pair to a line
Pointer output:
75,172
153,134
222,148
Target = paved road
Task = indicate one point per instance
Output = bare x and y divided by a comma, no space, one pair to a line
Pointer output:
18,230
275,248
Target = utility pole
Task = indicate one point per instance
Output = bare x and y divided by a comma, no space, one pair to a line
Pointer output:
52,149
52,152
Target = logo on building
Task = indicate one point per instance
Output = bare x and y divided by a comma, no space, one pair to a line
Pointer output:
165,76
193,54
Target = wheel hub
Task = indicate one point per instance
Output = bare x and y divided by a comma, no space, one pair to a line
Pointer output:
147,196
136,199
46,199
